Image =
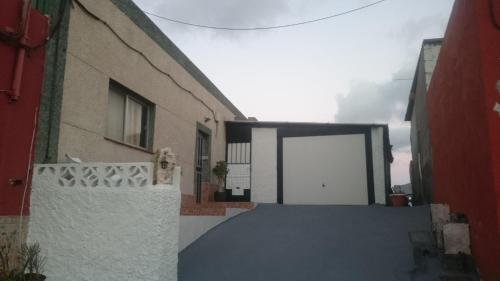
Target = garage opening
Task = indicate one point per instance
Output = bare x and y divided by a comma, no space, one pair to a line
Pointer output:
325,170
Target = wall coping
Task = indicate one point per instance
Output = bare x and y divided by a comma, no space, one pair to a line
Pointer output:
91,175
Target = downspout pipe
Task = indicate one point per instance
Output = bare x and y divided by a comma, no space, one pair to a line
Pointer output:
21,52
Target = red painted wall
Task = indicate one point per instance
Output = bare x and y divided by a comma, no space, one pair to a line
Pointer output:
17,119
464,129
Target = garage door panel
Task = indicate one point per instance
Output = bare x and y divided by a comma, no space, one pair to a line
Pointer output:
325,170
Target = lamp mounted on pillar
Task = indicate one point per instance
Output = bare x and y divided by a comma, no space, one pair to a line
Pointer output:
164,164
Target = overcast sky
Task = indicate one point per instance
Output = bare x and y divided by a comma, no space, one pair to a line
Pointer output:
339,70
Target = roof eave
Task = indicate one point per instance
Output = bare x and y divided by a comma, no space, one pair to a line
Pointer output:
136,15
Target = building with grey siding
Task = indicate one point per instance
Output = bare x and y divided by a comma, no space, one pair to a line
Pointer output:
416,112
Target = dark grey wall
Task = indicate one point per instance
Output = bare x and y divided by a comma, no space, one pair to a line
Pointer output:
421,167
49,113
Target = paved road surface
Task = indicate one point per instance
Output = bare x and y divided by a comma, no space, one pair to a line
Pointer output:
281,242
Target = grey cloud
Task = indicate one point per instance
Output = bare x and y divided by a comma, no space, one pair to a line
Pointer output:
227,13
370,102
413,31
400,138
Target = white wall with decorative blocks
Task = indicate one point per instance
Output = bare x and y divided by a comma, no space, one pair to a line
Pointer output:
105,222
95,174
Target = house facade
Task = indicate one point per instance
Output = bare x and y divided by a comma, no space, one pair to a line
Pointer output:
124,90
416,112
308,163
464,122
127,91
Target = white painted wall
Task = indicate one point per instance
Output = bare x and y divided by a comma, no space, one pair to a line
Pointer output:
430,56
106,233
264,165
378,164
193,227
338,162
238,178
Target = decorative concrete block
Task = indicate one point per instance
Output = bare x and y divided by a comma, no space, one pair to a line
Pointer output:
456,238
440,215
94,175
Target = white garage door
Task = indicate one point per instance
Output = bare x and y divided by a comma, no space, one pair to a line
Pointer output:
325,170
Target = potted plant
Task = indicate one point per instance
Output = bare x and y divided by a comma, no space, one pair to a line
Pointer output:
220,170
398,198
33,262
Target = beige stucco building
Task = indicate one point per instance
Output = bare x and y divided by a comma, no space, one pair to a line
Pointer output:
128,90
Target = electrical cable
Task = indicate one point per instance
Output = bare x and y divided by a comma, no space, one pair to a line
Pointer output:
148,60
264,27
26,180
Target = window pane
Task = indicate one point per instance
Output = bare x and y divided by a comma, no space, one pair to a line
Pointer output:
133,122
144,127
116,114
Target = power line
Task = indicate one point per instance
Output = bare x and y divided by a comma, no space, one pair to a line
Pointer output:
144,56
264,27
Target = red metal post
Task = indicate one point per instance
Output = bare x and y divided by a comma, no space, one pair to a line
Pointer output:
22,34
21,52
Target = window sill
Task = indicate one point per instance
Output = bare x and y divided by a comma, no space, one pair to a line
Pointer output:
129,145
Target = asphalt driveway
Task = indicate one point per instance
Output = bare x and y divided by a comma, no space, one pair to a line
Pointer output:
280,242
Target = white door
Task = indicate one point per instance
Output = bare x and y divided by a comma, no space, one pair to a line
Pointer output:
238,164
325,170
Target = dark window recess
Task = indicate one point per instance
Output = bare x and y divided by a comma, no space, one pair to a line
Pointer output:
130,117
